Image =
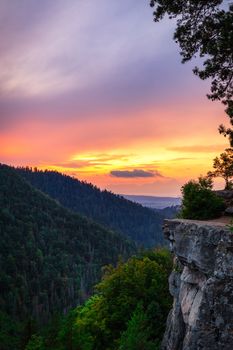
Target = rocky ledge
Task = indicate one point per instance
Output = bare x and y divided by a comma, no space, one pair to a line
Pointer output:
202,286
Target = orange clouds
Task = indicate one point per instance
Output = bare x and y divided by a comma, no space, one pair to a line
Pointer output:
198,148
91,102
152,140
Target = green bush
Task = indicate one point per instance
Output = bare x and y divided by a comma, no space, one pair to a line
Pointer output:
199,202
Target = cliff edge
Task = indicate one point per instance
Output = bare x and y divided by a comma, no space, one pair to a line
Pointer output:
202,286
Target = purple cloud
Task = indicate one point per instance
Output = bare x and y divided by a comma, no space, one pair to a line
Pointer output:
135,173
56,57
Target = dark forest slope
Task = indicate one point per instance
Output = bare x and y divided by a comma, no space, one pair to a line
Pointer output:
131,219
49,257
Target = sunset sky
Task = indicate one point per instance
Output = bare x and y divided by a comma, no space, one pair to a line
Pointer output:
95,89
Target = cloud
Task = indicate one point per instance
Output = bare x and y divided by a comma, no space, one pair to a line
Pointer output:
68,48
135,173
102,159
73,165
180,159
198,148
57,57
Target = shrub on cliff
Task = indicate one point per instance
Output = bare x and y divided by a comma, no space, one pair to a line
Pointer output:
199,202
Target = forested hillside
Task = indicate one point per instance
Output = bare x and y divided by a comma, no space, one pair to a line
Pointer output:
169,212
50,257
127,312
134,221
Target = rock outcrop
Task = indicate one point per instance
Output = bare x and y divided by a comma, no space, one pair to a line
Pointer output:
227,196
202,286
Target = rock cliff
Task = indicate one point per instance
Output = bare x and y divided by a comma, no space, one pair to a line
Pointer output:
202,286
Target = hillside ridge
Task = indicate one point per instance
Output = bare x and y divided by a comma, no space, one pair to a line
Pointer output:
134,221
50,257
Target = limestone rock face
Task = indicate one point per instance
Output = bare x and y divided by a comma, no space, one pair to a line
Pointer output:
201,285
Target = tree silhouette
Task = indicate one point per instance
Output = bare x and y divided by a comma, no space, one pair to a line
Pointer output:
223,166
205,28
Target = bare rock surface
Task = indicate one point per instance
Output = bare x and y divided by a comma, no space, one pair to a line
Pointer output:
201,285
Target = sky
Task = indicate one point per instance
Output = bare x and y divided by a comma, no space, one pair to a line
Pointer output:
96,90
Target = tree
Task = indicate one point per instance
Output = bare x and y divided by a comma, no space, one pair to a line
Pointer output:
129,309
205,28
223,166
199,202
137,334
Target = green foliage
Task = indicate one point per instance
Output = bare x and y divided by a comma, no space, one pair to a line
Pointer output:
205,28
132,300
10,333
50,332
50,258
136,336
205,182
228,132
223,166
199,202
35,343
79,327
138,223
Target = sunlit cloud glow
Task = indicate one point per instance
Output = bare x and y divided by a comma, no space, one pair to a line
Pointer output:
97,91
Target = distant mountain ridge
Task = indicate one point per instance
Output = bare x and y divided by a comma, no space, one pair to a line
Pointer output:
134,221
154,202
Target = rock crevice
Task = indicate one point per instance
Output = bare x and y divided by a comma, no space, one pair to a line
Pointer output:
201,285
